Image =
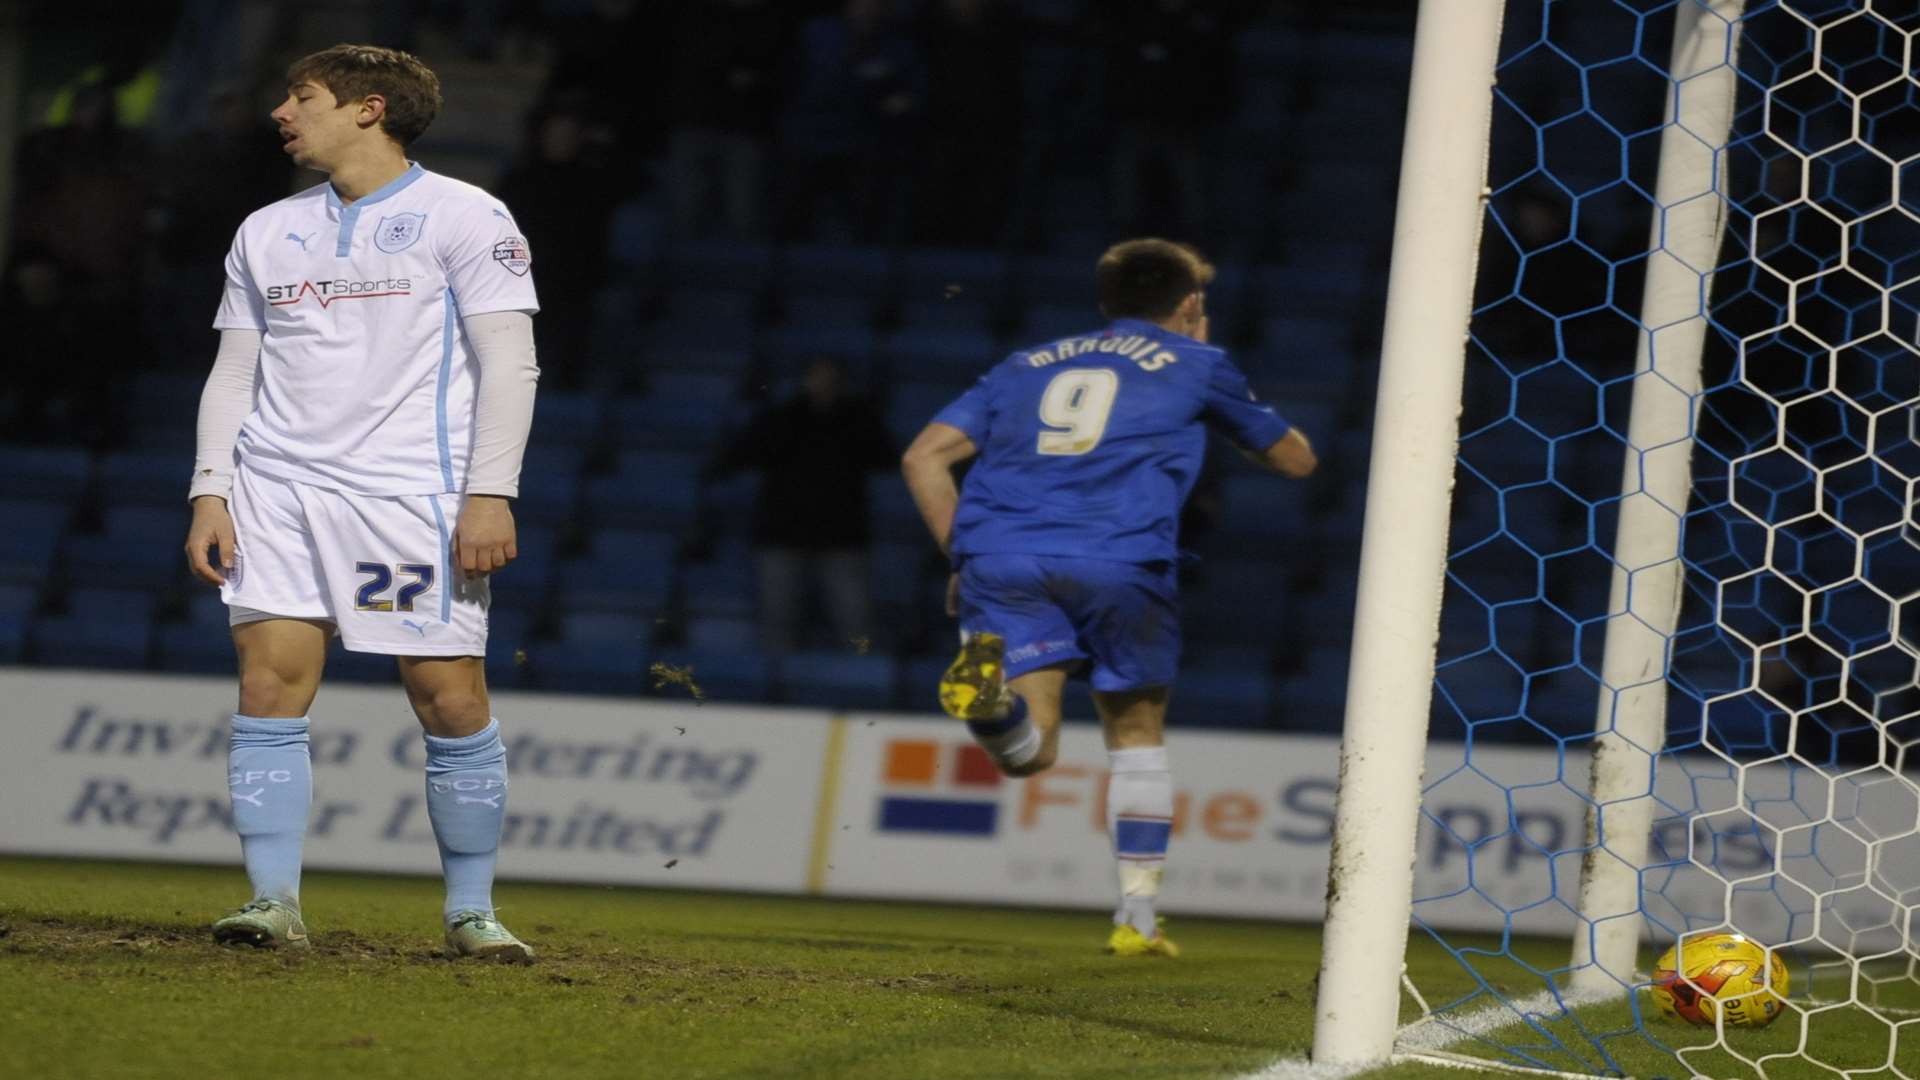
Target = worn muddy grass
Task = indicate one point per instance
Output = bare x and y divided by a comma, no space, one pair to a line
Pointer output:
106,969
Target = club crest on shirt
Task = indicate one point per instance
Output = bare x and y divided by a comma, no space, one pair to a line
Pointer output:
513,254
397,233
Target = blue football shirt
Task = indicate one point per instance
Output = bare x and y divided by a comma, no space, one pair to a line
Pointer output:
1089,445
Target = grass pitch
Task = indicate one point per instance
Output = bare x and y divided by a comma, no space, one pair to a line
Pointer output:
107,970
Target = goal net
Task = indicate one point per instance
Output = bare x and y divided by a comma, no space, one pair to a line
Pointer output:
1675,689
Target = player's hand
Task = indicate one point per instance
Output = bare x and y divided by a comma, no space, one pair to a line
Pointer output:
953,596
483,538
212,527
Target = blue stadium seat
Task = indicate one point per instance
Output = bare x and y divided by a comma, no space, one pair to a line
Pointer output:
652,488
788,349
93,640
816,311
730,503
147,522
667,424
723,633
19,601
1223,697
616,626
898,569
206,609
913,404
147,479
721,587
119,605
742,674
838,679
529,573
137,547
894,516
1063,281
705,320
565,419
1262,508
549,483
723,264
30,540
345,665
1050,322
919,689
624,571
176,392
195,649
116,562
635,235
13,638
698,386
603,666
953,357
822,269
1301,291
54,475
979,276
959,313
1314,698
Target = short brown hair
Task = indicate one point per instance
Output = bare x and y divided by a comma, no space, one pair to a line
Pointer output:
353,72
1149,278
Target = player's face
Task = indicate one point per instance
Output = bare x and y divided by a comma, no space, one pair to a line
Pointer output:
313,128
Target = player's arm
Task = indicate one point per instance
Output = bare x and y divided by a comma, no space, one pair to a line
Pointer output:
1292,456
484,537
928,468
224,404
1265,438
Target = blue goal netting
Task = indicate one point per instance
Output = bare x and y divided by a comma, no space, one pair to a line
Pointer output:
1785,802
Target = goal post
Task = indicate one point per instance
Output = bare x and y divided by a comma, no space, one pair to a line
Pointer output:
1642,548
1648,575
1402,568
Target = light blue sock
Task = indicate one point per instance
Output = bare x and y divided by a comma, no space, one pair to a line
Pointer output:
270,781
467,801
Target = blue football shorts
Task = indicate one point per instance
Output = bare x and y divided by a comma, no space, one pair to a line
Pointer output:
1118,623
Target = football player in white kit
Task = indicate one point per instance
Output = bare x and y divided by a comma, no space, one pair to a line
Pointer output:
360,438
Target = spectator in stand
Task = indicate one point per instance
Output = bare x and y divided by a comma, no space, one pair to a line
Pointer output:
813,454
857,108
213,176
721,102
60,370
974,63
618,54
1169,83
83,197
564,191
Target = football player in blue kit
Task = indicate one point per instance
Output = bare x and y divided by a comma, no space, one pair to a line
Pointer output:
1064,537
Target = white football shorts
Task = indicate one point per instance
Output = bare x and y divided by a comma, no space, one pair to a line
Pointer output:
379,568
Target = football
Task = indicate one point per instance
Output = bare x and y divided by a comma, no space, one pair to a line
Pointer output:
1720,973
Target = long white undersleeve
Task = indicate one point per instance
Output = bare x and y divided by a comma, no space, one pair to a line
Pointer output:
224,404
503,409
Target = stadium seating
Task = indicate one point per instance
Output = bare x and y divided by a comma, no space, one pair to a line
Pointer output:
838,679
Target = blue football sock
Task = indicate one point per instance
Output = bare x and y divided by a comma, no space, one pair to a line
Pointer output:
270,781
467,801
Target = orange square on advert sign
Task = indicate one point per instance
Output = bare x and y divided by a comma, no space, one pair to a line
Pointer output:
912,761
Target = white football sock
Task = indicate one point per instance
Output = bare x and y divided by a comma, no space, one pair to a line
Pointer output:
1140,820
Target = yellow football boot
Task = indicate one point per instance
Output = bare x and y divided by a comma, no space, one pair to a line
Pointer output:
974,687
1126,941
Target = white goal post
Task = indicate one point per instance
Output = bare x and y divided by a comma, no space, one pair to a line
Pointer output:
1438,223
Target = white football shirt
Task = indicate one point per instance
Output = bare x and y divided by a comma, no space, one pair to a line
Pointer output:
367,381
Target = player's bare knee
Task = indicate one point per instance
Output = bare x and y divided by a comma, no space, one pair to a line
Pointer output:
451,712
267,692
